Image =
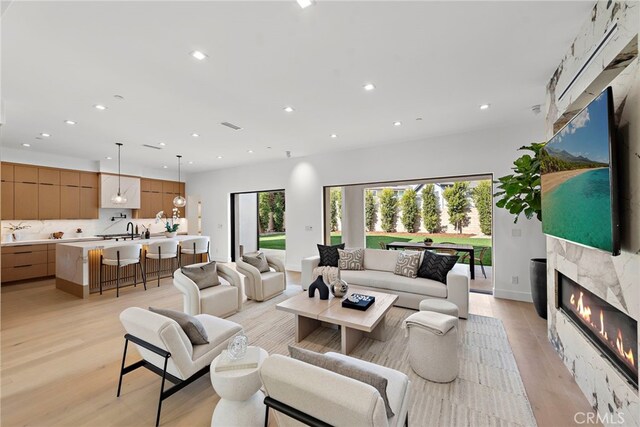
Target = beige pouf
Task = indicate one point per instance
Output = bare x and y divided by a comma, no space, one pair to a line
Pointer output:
439,306
433,345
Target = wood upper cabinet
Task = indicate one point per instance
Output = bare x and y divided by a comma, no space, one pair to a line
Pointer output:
89,203
155,204
70,178
169,187
7,200
145,185
48,176
69,202
27,195
48,201
156,186
25,174
7,172
89,179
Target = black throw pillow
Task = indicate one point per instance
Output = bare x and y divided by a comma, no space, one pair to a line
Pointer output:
329,256
436,266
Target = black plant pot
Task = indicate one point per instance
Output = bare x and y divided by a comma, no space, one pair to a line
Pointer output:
538,273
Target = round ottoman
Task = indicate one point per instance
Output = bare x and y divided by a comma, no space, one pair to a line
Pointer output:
433,345
439,306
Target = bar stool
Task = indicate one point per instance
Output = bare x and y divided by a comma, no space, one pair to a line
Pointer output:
197,246
120,257
163,249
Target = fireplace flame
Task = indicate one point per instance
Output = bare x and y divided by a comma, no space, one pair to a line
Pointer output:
585,312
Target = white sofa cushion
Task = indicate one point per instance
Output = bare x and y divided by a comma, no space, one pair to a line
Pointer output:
394,282
380,259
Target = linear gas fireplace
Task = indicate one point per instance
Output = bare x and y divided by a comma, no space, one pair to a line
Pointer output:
611,330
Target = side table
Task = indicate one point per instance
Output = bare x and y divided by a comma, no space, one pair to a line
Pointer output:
241,401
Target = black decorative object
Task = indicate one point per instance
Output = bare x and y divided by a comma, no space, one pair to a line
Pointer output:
538,276
436,267
321,287
329,256
358,301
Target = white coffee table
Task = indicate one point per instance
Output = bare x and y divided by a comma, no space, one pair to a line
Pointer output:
241,401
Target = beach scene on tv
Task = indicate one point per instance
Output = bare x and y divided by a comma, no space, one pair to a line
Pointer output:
576,192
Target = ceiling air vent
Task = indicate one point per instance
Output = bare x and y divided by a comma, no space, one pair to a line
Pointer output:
231,125
155,147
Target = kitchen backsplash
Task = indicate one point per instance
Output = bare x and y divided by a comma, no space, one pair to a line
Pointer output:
42,229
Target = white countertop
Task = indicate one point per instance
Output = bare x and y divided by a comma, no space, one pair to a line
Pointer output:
99,244
55,241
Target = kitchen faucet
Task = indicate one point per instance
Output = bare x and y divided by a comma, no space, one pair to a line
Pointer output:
130,224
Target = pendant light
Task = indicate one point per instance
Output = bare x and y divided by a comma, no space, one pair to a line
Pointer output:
118,198
179,201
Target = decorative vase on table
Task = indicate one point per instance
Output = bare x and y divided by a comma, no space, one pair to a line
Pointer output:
538,277
339,288
170,234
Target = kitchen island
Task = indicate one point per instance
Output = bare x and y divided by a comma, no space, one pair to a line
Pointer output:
78,265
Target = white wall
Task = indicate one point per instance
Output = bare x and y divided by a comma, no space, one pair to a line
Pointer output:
352,226
479,152
248,221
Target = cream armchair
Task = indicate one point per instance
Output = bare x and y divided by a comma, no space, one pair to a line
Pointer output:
221,301
263,286
167,351
299,391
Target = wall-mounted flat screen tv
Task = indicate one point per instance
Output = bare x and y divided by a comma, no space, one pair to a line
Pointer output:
579,186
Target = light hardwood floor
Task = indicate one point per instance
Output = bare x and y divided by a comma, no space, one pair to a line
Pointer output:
61,357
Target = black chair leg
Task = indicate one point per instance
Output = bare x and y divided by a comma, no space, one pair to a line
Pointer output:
406,421
159,263
482,267
135,275
118,280
100,275
266,416
164,375
124,357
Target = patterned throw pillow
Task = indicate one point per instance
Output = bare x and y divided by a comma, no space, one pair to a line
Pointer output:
351,259
258,260
329,255
407,264
436,267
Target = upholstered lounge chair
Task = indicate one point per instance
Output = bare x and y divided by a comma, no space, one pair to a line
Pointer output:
166,350
263,286
298,391
222,300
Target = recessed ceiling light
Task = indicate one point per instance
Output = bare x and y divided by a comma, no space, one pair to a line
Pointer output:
333,135
369,86
288,109
200,56
397,123
250,151
162,144
219,157
484,106
195,135
26,145
304,3
70,122
164,166
190,162
45,135
100,107
108,158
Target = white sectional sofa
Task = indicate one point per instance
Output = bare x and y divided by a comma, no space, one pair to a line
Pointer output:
379,275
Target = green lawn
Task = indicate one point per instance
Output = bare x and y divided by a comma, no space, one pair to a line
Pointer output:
277,241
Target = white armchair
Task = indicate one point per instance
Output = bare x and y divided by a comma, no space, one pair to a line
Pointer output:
351,402
167,351
221,301
263,286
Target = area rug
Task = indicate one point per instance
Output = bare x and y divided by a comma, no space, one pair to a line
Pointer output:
488,391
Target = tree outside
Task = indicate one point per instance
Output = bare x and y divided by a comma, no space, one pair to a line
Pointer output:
410,213
335,201
278,211
458,204
370,210
483,198
431,209
265,207
388,210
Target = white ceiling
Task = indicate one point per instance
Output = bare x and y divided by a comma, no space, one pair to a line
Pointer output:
434,60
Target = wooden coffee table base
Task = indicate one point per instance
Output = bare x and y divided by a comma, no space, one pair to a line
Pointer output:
349,337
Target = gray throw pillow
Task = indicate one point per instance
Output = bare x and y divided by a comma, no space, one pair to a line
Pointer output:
351,259
190,325
204,276
258,260
407,264
348,369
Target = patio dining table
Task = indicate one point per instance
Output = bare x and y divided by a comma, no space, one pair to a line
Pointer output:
435,246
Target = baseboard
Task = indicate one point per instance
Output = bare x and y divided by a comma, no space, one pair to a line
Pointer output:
514,295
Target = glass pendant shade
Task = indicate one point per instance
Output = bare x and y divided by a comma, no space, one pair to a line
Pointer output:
179,201
118,198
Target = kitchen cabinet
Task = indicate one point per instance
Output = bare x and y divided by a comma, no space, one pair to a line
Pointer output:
89,203
27,194
156,186
26,262
155,204
7,200
25,174
49,201
89,179
7,172
70,202
70,178
48,176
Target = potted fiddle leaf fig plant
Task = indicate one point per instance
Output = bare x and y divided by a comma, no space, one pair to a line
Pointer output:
519,193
